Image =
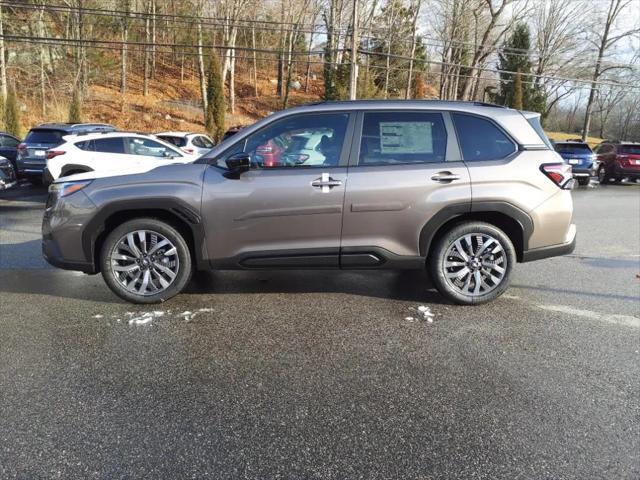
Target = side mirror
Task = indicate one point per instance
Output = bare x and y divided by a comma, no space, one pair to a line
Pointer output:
237,165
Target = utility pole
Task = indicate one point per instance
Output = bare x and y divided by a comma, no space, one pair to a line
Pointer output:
353,85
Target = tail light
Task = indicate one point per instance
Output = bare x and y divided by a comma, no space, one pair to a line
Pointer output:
623,160
188,150
54,153
22,148
560,174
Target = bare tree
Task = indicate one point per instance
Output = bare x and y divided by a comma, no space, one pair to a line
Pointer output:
416,4
604,40
3,66
124,49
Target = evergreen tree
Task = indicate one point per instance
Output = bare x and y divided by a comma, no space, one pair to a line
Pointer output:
515,58
12,114
75,109
214,119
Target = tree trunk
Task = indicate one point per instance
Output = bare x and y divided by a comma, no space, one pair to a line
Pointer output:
154,7
147,36
407,93
3,66
255,61
353,77
123,55
232,81
203,84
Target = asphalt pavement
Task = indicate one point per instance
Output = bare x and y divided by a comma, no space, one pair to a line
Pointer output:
325,375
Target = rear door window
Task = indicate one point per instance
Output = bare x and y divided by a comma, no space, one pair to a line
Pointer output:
109,145
48,136
396,138
206,143
480,139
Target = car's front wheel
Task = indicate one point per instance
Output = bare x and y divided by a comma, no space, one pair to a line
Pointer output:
146,260
472,262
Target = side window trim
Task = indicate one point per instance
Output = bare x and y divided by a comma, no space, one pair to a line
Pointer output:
508,158
452,153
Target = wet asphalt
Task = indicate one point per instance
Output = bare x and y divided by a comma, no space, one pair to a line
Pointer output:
307,375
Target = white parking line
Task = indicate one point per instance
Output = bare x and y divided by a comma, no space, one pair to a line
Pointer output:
617,319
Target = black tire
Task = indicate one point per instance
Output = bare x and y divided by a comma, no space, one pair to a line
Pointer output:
184,268
442,246
603,176
583,181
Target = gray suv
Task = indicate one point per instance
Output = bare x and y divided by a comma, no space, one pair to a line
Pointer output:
464,190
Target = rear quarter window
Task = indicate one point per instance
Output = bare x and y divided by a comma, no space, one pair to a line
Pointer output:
480,139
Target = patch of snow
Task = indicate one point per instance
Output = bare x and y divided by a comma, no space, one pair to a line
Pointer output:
410,319
98,316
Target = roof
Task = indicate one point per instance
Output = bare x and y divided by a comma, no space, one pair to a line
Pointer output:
75,127
103,134
175,134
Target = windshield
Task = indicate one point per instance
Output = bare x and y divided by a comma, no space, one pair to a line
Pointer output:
630,149
45,136
577,148
177,141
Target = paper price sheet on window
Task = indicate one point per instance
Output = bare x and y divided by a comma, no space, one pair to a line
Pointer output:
405,137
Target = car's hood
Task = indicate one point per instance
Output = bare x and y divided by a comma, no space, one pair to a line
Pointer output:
132,170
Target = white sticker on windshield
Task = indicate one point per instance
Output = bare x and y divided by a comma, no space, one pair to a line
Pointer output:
406,137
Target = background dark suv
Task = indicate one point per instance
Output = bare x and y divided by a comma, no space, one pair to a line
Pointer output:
32,152
618,160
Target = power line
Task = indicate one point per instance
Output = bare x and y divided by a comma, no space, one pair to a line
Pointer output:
111,43
248,23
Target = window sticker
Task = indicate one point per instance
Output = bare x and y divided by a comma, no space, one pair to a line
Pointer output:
406,137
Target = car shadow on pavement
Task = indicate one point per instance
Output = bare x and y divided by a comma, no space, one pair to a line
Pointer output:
412,285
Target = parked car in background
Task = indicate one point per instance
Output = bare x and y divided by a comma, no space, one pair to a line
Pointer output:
394,192
32,152
110,152
617,161
9,148
579,155
8,176
192,143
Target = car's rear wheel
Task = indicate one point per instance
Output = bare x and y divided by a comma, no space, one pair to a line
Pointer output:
146,260
471,263
603,175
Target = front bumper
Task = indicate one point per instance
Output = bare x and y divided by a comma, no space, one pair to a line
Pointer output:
63,225
553,250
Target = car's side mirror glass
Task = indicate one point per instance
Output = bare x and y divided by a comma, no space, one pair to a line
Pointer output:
237,164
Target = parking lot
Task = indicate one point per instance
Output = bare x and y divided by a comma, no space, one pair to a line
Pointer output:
325,374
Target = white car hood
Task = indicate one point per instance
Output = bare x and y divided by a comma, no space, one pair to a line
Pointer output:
132,170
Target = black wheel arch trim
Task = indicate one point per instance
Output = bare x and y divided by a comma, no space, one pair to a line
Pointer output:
451,212
170,205
70,167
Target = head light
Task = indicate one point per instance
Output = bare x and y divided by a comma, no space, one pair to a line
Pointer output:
67,188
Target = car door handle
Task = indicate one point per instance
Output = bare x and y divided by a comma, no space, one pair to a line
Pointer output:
445,177
325,182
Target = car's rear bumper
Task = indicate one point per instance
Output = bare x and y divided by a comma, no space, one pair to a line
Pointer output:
631,172
552,250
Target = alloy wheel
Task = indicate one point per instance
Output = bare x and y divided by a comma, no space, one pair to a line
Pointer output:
475,264
144,262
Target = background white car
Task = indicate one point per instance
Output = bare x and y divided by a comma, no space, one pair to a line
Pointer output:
117,152
192,143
